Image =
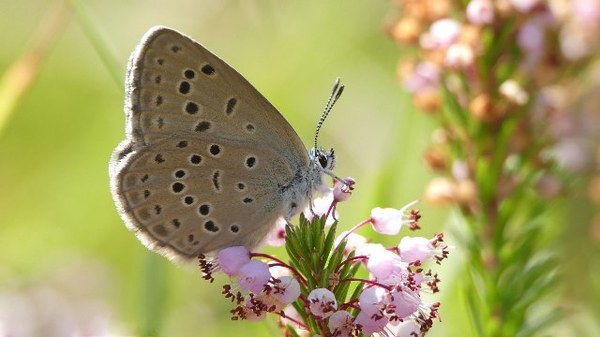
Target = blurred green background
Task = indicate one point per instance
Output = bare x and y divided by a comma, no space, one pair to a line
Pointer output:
67,260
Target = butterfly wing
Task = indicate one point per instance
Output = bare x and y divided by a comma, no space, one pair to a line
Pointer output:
207,159
176,86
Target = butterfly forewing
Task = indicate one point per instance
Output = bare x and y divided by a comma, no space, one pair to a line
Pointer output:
178,86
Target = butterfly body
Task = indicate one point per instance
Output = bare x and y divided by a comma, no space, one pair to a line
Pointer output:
207,162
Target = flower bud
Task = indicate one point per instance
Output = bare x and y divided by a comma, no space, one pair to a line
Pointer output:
440,191
480,12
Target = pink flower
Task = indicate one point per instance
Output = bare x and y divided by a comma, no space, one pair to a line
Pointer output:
524,6
425,76
322,302
342,190
287,290
459,56
276,236
370,324
440,191
353,241
320,207
389,220
292,313
531,39
570,154
368,248
414,249
372,301
251,314
341,323
386,266
587,12
231,259
279,271
405,302
442,33
404,329
513,91
254,275
386,220
480,12
573,43
460,170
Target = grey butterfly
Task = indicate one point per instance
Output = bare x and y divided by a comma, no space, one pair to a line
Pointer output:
207,162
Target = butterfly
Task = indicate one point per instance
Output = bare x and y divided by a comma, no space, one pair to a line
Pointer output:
207,162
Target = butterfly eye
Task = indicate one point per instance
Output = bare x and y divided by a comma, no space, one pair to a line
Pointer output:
323,160
326,159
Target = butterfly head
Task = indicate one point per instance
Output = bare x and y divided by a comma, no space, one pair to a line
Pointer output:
322,158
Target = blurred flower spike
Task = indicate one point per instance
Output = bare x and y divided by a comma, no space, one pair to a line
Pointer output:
337,286
512,86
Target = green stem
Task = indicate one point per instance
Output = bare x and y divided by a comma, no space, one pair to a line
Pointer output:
154,295
103,47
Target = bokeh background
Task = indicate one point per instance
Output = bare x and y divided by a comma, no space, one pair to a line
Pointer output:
68,265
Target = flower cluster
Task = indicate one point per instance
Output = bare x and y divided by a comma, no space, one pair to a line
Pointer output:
321,290
510,84
483,64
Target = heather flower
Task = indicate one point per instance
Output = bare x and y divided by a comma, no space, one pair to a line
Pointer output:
480,12
322,302
370,324
440,191
404,301
424,77
353,241
342,189
531,39
506,82
341,323
413,249
252,311
531,36
587,12
407,328
524,5
321,206
389,221
372,301
384,264
276,236
459,56
232,259
292,318
254,275
460,170
368,249
514,92
318,292
286,289
442,34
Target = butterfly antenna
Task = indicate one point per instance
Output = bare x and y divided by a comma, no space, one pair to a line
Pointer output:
336,92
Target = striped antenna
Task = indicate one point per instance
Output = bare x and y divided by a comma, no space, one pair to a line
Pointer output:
336,92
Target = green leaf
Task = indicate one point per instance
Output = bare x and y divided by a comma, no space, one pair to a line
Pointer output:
341,291
328,244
